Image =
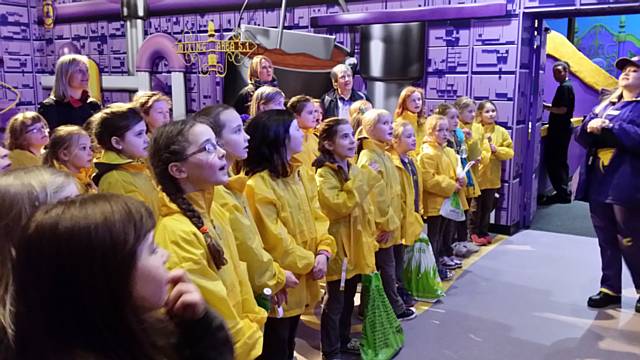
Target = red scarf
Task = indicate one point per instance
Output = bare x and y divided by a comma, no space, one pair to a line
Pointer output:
76,103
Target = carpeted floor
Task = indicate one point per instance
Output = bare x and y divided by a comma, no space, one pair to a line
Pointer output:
564,218
522,299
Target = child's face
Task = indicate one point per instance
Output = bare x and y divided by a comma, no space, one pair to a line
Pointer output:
489,114
5,163
344,144
414,103
159,114
318,113
276,104
406,142
79,77
307,118
452,118
205,165
79,156
37,135
150,278
296,139
442,132
468,114
233,138
135,142
383,130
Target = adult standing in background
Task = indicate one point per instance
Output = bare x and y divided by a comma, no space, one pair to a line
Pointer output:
260,74
70,102
609,182
337,101
559,135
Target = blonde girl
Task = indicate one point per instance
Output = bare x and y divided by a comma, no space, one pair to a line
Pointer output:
27,134
70,150
318,112
263,271
344,193
497,147
304,110
120,130
439,165
155,108
283,200
356,111
70,102
376,135
266,98
411,225
188,163
22,191
410,108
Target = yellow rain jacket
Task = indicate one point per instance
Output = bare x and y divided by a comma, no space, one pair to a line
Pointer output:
438,165
388,198
292,227
128,178
474,152
491,165
23,158
309,149
227,290
419,129
83,178
263,271
411,224
348,205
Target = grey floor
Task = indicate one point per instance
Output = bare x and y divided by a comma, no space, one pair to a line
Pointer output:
564,218
526,300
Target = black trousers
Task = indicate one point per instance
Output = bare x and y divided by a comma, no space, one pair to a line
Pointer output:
484,205
556,150
335,323
439,232
279,340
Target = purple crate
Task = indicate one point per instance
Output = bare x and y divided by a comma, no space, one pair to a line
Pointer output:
492,87
203,22
495,32
450,33
255,17
192,83
18,47
227,20
116,29
431,105
118,46
98,46
188,23
494,58
22,81
15,15
193,102
14,32
271,17
298,17
448,60
17,64
41,65
27,97
118,64
446,86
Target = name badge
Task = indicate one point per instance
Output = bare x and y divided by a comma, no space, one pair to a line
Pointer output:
613,112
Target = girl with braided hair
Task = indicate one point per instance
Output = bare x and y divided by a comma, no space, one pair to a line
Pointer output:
188,163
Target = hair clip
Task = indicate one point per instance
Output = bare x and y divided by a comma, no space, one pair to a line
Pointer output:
204,230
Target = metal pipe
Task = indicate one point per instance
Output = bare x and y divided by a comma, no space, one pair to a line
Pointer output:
283,8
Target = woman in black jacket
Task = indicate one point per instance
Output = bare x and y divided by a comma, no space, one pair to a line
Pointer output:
260,74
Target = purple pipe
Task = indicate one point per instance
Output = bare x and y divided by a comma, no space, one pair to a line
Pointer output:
446,12
92,10
156,46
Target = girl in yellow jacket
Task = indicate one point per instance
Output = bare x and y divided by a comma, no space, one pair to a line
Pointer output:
196,232
439,165
284,202
356,111
303,108
497,147
411,224
264,272
410,108
377,132
27,134
121,132
70,151
344,195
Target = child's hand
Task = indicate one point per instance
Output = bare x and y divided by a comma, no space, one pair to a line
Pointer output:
384,237
467,133
320,267
374,166
462,181
290,280
185,301
493,148
280,298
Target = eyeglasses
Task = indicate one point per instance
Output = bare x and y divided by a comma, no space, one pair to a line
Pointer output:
38,129
208,147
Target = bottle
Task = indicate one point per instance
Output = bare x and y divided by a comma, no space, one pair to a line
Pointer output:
264,299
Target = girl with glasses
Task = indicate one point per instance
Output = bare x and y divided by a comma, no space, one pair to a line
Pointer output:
27,135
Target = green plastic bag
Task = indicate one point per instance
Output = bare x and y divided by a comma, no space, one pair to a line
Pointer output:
452,208
420,273
382,335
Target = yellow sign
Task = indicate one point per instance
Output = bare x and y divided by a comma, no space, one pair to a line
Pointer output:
48,14
205,52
